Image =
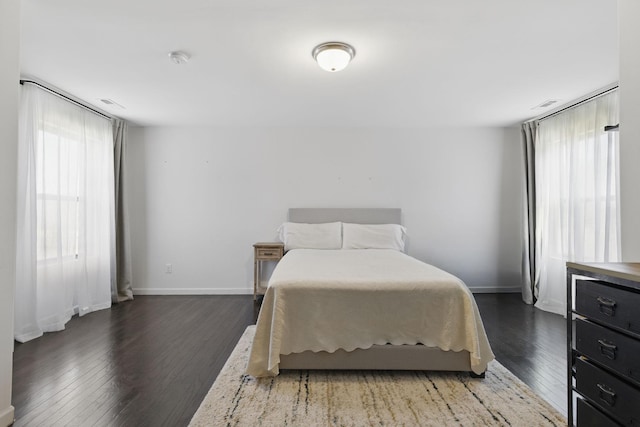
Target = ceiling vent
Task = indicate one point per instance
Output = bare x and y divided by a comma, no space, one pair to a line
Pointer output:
111,103
547,103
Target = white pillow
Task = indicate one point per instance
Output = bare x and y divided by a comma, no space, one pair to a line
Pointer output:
296,235
373,236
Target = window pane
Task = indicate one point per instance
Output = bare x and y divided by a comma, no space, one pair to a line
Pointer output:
50,156
48,231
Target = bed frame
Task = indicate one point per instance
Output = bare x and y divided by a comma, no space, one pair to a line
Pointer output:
378,357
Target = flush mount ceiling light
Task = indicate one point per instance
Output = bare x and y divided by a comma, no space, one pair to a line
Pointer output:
179,57
333,56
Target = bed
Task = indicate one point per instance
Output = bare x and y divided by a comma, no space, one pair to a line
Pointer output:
374,308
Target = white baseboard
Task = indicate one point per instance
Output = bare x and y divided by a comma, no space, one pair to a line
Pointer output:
495,290
7,416
191,291
246,291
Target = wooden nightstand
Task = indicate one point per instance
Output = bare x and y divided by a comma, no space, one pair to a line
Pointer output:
264,251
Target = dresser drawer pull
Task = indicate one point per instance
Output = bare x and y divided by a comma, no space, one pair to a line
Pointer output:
268,253
607,306
608,350
607,394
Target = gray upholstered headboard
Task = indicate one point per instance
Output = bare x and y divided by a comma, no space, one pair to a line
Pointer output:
353,215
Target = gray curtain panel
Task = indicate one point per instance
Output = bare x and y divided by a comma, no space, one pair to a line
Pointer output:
530,266
123,290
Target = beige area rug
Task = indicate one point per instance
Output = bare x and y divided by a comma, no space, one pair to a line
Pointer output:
367,398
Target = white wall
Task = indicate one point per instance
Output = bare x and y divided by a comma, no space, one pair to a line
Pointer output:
629,11
9,75
200,197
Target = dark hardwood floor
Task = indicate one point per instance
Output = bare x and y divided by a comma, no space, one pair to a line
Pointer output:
529,342
148,362
151,361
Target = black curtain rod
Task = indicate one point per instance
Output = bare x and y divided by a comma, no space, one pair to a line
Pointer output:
575,104
63,96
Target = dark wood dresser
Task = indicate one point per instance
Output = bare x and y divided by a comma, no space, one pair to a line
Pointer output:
603,334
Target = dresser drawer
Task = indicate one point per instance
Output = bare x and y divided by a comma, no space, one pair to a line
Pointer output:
588,416
612,395
612,349
608,305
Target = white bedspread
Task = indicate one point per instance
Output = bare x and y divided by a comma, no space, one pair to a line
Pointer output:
324,300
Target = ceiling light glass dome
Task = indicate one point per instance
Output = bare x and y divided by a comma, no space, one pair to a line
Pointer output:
333,56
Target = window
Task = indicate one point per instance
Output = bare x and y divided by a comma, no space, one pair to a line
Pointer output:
577,197
66,244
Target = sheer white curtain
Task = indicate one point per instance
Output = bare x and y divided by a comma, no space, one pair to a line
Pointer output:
577,202
65,257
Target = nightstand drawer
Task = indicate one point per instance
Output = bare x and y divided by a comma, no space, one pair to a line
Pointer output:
613,396
269,253
264,251
612,349
608,305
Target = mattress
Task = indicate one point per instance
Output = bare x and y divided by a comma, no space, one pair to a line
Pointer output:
325,300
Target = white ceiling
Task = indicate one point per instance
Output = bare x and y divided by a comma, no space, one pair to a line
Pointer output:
418,63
